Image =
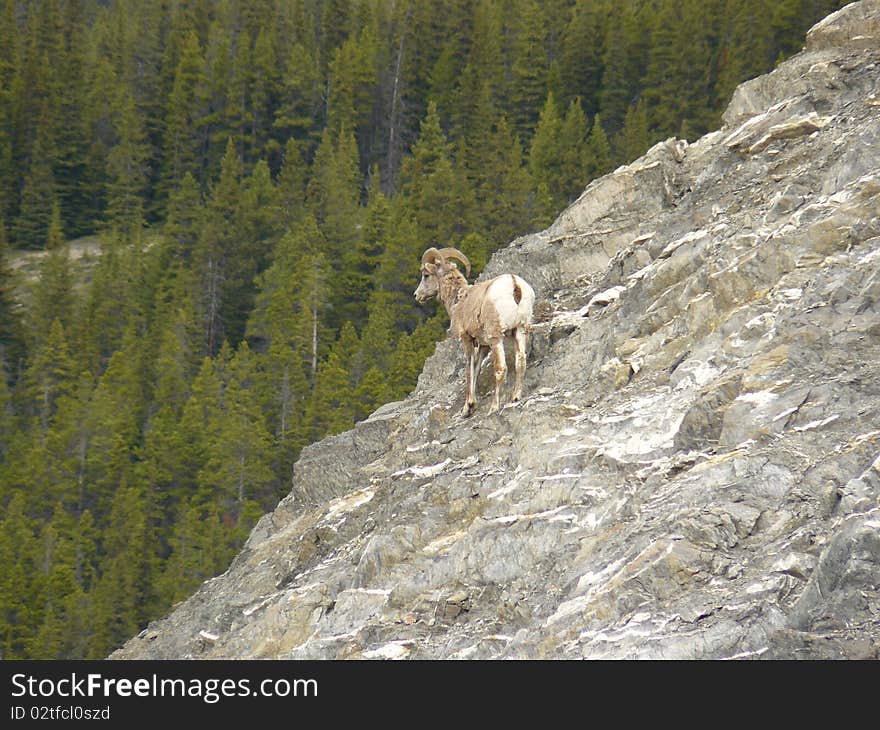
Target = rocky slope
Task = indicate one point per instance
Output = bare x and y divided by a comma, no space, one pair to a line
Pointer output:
695,469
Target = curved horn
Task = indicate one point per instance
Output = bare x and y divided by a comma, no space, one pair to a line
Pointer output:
454,253
431,255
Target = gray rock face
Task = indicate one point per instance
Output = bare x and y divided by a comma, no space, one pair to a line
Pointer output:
694,471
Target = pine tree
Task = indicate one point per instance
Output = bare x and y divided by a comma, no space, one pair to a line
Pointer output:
236,468
38,195
331,409
58,572
503,188
291,306
598,150
471,120
372,392
380,334
352,81
573,143
265,87
581,65
529,69
664,75
430,182
333,192
291,185
359,262
633,140
53,297
545,155
198,551
115,417
124,595
126,170
621,63
398,268
185,219
411,353
257,226
11,335
184,111
7,418
20,594
238,119
298,111
215,245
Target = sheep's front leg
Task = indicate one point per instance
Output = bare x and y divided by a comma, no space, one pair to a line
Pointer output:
520,342
499,361
470,357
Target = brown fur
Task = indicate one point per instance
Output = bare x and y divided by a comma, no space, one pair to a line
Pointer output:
474,321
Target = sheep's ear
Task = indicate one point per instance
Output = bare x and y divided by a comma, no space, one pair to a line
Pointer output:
429,268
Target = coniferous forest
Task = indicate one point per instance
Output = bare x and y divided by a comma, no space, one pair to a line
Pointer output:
261,178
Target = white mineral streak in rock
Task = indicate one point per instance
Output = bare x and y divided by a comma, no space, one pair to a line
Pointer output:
424,471
393,650
442,544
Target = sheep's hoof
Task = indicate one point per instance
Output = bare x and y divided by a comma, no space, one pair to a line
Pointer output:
467,410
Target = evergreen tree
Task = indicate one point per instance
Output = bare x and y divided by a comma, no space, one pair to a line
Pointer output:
359,261
633,140
291,185
11,335
236,465
291,306
21,596
372,392
53,298
126,170
621,61
39,197
115,416
331,409
198,551
545,155
581,65
503,187
333,193
352,78
430,182
185,219
299,109
529,68
214,247
124,594
573,142
598,150
183,116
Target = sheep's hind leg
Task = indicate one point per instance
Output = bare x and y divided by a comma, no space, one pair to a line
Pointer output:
471,364
500,364
519,339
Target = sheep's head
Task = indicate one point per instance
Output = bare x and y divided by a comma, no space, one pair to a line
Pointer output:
435,265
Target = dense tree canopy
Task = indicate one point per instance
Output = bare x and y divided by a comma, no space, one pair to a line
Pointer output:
262,178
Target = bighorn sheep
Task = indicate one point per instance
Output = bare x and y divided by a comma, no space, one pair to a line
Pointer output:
480,316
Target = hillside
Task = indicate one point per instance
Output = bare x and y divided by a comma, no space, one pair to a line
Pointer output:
694,471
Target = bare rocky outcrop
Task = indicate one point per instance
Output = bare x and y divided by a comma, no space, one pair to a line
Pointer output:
695,469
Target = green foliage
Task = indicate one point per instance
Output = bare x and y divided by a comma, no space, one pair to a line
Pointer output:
11,335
